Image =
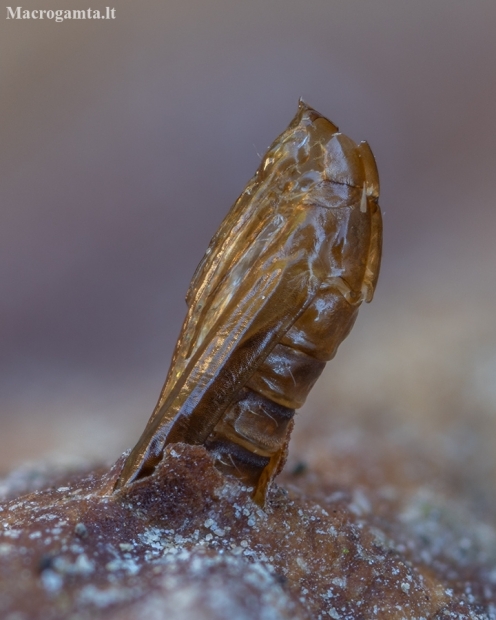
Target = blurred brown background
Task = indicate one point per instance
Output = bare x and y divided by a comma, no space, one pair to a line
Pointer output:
124,143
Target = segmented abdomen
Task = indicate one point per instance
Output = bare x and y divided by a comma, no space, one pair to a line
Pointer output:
255,429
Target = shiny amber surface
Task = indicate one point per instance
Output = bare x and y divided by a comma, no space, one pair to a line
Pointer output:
276,293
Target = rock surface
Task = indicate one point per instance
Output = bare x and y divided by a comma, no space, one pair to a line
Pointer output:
188,543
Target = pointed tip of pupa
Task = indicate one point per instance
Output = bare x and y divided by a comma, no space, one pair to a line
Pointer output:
306,114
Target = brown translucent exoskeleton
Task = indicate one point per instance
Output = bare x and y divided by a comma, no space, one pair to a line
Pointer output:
276,293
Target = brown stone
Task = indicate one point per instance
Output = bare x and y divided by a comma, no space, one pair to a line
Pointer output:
186,542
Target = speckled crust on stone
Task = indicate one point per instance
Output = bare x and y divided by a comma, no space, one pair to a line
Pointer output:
180,545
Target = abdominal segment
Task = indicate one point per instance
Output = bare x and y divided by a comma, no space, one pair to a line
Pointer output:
250,441
253,431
